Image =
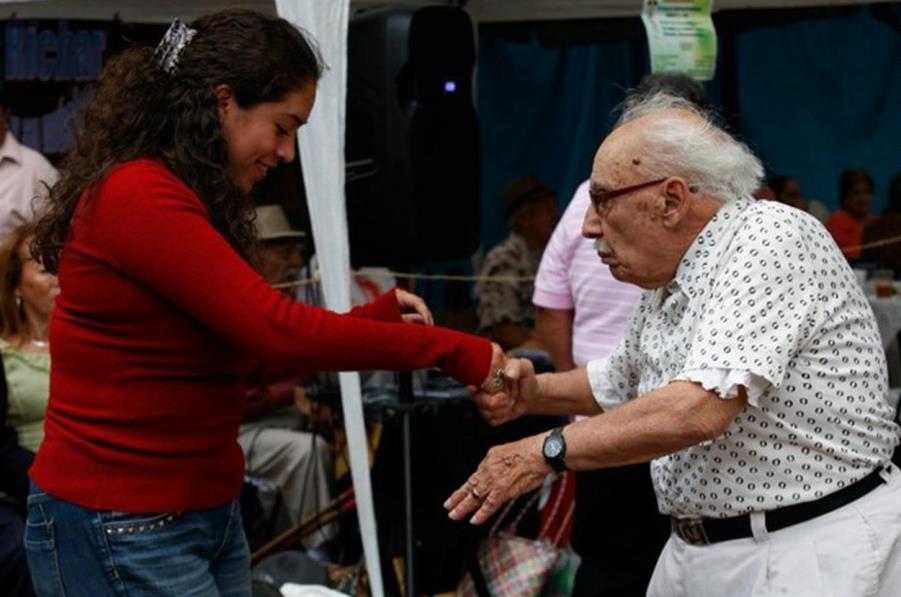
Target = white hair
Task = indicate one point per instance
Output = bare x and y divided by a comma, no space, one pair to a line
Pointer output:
694,148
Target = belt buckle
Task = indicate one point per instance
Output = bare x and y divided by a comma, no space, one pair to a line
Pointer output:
691,530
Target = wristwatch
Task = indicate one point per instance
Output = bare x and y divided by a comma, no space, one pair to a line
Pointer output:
554,450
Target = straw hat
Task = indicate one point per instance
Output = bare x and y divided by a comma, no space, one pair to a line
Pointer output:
272,224
522,191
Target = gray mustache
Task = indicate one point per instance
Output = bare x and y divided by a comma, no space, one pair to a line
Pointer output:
600,246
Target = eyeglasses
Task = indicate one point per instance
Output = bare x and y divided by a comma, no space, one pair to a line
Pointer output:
601,199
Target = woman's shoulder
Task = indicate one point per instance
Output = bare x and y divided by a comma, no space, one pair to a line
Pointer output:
13,353
144,179
125,173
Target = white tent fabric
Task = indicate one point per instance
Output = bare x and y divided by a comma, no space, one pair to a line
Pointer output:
163,11
550,10
322,155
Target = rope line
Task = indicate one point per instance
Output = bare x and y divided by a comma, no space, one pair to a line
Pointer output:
455,278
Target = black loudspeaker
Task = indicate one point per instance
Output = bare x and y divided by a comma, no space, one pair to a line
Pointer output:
412,145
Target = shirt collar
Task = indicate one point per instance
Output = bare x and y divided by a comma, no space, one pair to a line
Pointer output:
700,261
11,149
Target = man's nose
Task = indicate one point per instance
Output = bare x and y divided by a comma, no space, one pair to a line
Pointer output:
591,224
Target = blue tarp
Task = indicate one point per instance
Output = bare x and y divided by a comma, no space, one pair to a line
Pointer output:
815,98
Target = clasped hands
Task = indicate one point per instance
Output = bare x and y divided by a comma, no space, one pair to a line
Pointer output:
509,470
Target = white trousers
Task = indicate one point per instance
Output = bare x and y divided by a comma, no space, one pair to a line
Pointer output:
854,551
299,463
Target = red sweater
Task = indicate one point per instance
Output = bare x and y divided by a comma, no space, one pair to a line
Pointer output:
159,327
847,232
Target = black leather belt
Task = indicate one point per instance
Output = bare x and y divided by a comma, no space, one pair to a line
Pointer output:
703,531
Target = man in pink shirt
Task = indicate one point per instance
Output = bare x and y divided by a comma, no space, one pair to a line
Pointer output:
25,177
582,315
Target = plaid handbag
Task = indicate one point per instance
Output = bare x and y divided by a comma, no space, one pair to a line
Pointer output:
508,565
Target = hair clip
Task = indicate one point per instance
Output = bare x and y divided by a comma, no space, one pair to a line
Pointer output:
176,38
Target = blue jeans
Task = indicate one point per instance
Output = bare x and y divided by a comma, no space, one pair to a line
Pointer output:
77,552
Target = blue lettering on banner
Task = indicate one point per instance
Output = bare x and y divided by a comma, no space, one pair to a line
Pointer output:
48,55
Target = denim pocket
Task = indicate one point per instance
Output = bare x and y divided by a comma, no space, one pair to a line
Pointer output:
39,535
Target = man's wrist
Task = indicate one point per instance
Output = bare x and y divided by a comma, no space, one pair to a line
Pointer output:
534,448
535,400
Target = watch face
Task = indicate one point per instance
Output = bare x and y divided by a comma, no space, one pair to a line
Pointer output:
553,446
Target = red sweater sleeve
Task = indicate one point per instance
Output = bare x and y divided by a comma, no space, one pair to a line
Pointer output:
384,308
151,227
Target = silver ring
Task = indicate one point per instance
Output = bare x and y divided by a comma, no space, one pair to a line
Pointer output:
498,380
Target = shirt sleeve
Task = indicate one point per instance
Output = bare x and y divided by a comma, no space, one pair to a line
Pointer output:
614,380
553,289
761,308
150,227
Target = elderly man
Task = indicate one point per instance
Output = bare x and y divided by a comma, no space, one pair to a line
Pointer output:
752,376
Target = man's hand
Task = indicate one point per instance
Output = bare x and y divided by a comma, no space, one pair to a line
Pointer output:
507,471
503,403
413,309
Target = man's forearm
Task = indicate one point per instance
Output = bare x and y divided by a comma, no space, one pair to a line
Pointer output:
553,328
661,422
563,394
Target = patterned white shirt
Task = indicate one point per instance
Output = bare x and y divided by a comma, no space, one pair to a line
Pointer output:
763,299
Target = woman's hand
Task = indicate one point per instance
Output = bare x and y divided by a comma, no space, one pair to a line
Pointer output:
413,309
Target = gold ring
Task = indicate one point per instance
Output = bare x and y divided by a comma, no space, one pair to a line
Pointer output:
475,494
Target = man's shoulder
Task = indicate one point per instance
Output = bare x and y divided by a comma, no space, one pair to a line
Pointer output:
510,250
774,224
37,163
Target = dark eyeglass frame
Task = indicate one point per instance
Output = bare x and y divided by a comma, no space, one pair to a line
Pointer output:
600,199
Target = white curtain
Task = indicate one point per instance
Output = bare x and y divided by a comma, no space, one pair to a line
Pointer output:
322,155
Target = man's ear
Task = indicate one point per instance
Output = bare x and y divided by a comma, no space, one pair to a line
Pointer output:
677,199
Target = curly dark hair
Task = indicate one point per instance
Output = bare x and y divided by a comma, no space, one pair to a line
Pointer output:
140,111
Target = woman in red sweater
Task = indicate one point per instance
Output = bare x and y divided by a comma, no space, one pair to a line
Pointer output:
162,322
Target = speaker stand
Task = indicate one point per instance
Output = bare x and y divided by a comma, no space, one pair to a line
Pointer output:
405,400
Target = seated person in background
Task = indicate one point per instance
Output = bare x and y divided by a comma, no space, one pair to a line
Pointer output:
855,191
505,310
764,192
27,297
279,259
787,190
885,228
299,463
